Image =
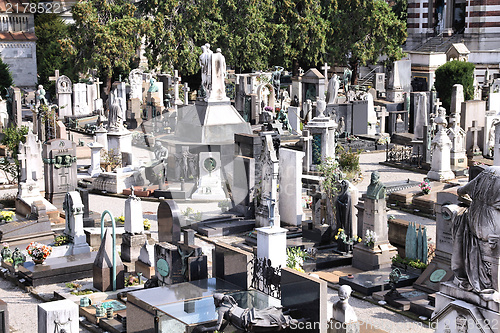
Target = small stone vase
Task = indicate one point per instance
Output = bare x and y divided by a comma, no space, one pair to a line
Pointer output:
38,261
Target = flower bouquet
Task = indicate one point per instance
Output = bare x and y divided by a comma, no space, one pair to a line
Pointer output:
39,252
425,187
370,238
6,216
147,224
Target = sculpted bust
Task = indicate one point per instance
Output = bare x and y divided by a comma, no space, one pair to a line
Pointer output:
376,190
342,311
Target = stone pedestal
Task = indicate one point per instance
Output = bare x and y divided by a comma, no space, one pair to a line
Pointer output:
101,136
58,316
95,158
271,244
121,142
133,215
322,131
368,258
375,219
441,147
131,246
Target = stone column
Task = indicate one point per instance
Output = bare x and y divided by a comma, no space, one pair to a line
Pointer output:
95,158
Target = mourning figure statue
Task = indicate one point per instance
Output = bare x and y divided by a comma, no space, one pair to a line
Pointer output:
247,320
376,190
344,213
115,116
476,234
333,89
153,87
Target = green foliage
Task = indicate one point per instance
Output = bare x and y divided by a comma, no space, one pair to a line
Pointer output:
82,292
400,9
13,135
105,36
409,262
175,30
5,78
451,73
331,176
298,33
295,257
61,240
348,160
50,30
363,30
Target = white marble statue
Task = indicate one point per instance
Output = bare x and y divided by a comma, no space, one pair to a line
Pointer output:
218,75
333,89
342,311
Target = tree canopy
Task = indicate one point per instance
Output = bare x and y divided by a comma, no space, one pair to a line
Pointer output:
50,29
451,73
363,30
253,35
106,36
5,78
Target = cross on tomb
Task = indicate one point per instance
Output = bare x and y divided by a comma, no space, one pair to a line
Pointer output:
437,105
98,83
186,89
474,129
55,77
325,68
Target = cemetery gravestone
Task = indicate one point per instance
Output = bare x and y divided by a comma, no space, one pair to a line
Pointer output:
169,224
441,145
473,111
60,169
103,266
322,130
73,209
379,254
134,237
210,178
290,203
421,114
80,105
64,91
58,316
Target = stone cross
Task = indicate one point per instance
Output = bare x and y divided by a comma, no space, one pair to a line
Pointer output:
474,129
437,105
98,84
55,77
186,90
325,67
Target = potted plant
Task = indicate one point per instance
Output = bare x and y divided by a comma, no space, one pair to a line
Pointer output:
349,241
38,252
224,205
6,216
425,187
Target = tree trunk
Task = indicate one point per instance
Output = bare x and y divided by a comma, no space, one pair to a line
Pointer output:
355,69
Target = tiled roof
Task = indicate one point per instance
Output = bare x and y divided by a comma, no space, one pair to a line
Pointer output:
17,36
